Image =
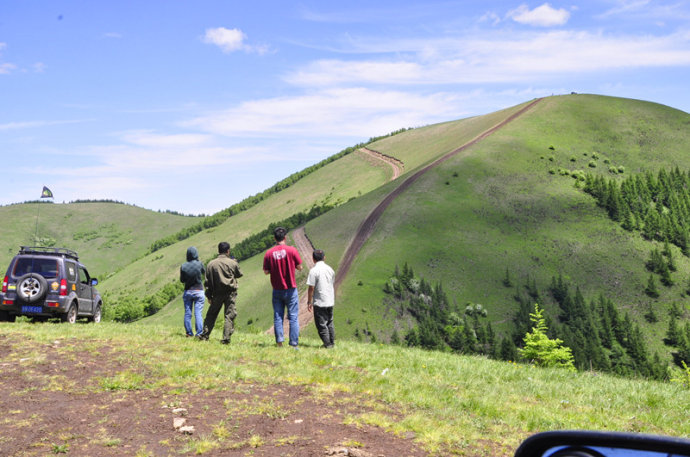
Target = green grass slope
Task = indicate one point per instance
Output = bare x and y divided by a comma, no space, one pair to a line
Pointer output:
450,404
496,206
336,183
107,236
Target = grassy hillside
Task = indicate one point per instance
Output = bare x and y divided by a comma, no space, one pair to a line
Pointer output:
107,236
449,404
254,300
336,183
496,206
499,205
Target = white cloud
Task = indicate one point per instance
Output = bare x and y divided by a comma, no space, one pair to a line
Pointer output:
36,124
541,16
231,40
500,58
331,112
150,139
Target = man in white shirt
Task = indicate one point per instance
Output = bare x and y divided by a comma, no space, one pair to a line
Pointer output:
321,297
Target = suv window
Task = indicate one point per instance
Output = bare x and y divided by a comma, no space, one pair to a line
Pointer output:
71,271
48,268
84,277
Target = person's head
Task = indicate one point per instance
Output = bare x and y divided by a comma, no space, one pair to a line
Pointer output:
223,247
279,234
192,254
318,255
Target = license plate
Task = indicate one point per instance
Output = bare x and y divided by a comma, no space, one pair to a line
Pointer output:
32,309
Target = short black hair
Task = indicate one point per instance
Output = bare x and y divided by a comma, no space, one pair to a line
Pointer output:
223,247
318,255
279,233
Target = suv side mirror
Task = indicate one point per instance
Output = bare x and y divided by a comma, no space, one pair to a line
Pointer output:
94,281
602,444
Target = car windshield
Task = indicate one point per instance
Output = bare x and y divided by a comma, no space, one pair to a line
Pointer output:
48,268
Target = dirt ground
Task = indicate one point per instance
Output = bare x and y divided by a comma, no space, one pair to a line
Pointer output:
55,402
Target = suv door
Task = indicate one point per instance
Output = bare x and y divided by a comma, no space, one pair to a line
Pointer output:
84,291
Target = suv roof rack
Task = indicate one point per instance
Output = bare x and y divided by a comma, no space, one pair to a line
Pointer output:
63,252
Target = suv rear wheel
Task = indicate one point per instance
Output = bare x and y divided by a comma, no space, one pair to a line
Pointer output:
31,287
96,318
71,315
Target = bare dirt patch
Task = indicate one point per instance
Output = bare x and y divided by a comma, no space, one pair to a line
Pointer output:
61,399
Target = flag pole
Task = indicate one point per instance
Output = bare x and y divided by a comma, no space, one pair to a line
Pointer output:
46,193
38,211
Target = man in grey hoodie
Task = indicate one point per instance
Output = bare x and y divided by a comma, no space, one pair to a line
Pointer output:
192,276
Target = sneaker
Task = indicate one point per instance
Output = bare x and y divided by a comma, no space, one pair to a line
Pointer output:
224,341
280,345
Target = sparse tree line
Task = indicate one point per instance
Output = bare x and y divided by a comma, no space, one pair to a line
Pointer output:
579,334
656,206
221,216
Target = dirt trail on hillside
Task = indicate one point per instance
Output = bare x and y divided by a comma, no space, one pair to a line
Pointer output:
365,230
305,246
397,165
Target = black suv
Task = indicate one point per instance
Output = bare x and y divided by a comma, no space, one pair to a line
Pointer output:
44,282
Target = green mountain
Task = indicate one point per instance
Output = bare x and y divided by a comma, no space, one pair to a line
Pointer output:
108,236
502,204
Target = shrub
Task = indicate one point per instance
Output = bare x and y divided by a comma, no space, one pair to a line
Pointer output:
621,169
573,159
592,164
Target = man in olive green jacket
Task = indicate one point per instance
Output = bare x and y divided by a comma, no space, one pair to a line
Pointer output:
221,290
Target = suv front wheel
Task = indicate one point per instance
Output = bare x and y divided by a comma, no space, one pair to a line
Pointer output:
31,287
71,315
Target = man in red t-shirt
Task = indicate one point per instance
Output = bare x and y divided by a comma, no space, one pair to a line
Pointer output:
280,262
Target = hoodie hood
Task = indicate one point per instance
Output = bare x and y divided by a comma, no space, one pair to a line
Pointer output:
192,254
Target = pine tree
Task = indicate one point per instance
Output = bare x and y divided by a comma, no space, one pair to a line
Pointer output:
668,253
666,276
506,279
543,351
508,350
651,288
673,334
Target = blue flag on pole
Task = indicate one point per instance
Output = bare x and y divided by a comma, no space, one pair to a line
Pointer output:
46,193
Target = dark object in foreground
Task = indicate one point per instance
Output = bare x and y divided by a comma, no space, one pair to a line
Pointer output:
575,443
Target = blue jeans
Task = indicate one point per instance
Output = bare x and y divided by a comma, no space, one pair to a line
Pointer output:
193,299
286,299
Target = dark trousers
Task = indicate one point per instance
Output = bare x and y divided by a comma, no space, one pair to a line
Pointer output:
323,318
216,303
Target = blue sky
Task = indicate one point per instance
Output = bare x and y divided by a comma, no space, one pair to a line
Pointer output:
192,106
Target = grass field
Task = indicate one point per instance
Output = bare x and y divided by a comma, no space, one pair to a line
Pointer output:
451,404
